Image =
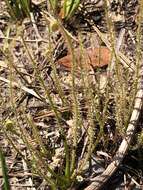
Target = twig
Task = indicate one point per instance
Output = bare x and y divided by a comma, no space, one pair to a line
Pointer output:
51,113
100,180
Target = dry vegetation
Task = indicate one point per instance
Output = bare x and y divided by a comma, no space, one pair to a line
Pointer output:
71,86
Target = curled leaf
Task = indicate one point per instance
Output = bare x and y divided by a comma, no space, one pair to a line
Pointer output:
91,57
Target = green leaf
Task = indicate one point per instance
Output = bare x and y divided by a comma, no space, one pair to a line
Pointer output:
70,7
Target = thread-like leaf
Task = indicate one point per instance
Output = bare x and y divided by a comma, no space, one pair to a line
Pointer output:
4,171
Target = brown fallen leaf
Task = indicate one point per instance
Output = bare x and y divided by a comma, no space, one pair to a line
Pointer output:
88,58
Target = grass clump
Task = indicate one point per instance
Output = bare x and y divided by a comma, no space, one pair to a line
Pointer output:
65,8
18,9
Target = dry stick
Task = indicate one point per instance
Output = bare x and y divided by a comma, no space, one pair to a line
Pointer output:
101,180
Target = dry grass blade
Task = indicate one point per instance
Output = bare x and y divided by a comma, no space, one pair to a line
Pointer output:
123,59
14,84
118,45
100,181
